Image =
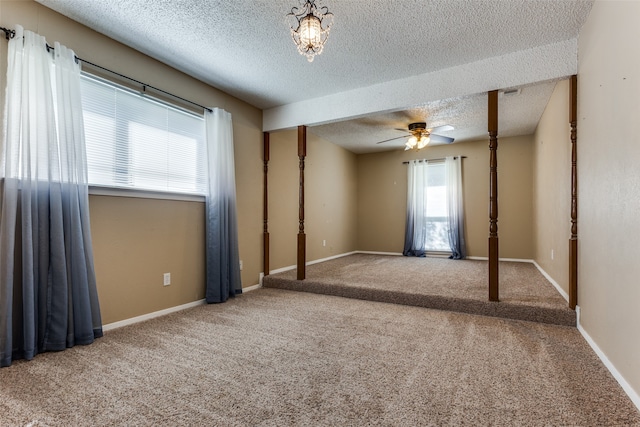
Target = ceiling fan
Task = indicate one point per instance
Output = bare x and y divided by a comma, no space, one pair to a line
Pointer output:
421,136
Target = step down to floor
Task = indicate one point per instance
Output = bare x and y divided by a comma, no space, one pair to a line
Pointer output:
332,278
496,309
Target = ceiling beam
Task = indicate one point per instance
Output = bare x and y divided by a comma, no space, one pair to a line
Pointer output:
553,61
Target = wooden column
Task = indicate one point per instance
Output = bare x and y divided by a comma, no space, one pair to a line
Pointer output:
493,195
265,204
302,152
573,241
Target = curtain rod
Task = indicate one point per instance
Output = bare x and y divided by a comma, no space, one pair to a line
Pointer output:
145,85
9,34
433,160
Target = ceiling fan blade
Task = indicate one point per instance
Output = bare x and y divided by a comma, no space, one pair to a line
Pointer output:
401,129
440,139
387,140
443,128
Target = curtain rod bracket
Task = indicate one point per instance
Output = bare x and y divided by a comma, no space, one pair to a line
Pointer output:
9,34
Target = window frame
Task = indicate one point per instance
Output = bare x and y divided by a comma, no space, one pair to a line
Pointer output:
117,191
430,251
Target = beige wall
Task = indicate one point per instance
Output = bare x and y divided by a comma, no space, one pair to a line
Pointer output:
382,196
330,199
331,208
137,240
609,183
552,187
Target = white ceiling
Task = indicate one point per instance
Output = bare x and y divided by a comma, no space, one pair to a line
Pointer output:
386,63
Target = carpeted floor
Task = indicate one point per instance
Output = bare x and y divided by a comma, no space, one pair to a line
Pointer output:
280,358
438,283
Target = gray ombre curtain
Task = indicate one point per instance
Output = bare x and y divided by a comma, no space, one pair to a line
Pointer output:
48,298
455,209
416,225
223,260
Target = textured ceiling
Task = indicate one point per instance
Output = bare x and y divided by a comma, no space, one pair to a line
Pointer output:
243,47
519,114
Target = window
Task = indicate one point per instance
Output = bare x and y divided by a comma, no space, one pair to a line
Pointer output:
435,211
136,142
437,221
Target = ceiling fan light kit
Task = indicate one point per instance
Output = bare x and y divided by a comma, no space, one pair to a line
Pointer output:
421,136
415,143
310,26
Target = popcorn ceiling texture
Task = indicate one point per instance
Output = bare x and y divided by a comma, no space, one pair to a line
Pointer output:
392,52
518,115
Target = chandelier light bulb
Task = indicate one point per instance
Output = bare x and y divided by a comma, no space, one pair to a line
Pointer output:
310,31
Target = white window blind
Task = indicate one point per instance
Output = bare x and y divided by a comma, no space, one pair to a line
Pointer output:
136,142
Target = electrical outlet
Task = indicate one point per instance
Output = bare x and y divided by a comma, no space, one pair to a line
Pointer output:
167,279
552,254
240,264
324,243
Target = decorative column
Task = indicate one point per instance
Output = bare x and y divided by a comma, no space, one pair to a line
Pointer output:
493,195
302,152
265,204
573,241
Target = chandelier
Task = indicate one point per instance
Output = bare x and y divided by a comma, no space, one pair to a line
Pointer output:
310,27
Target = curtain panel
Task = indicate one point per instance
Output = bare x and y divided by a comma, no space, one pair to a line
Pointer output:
48,296
455,208
416,224
222,254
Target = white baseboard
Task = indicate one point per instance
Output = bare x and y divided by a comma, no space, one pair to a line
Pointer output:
553,282
252,288
317,261
475,258
283,269
516,260
379,253
633,395
484,258
153,315
149,316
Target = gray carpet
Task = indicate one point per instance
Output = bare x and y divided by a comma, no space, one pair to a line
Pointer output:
280,358
438,283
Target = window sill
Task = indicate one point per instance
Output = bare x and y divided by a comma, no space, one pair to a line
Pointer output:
144,194
438,254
